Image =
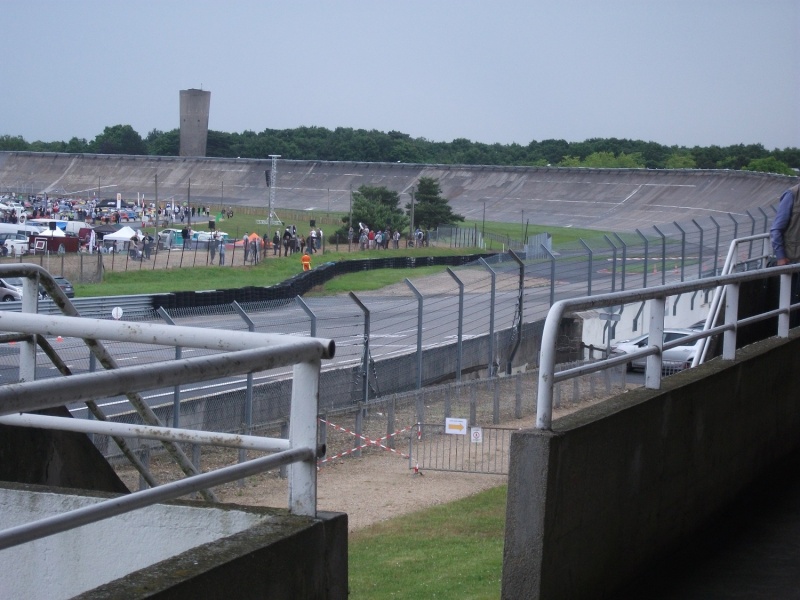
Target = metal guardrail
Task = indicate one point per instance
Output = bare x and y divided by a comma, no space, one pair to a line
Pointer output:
657,298
96,307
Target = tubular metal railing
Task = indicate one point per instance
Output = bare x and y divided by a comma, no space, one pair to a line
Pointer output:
230,353
657,296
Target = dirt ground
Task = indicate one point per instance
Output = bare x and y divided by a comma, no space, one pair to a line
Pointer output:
375,487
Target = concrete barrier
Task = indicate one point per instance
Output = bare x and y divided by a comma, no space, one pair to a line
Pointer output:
616,486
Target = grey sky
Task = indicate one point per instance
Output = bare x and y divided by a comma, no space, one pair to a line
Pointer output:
676,72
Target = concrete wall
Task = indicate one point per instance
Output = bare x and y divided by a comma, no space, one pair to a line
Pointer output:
603,199
615,486
175,550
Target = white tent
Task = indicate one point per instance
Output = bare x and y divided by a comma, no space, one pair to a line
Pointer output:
123,235
51,233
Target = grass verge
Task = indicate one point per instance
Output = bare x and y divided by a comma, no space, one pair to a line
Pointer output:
448,551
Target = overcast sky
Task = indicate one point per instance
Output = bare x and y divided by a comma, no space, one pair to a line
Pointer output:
676,72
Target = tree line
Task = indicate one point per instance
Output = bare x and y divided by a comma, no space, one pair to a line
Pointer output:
360,145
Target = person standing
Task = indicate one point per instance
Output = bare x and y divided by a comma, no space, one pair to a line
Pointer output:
287,238
276,244
785,237
312,241
785,230
212,247
222,251
306,260
246,246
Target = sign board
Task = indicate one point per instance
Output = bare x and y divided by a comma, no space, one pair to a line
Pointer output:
476,435
456,426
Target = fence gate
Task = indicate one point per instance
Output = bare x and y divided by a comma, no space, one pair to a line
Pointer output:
456,446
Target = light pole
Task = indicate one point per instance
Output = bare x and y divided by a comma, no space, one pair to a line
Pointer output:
411,229
272,178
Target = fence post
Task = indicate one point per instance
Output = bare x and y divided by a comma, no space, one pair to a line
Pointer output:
518,397
624,261
459,342
176,390
248,396
301,303
496,402
419,400
644,273
359,429
613,264
699,251
145,458
390,422
492,367
683,250
588,270
663,255
716,245
473,405
419,331
365,356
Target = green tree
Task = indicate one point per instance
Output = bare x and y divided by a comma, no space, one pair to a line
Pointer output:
768,165
10,143
431,209
119,139
680,160
77,146
377,208
160,143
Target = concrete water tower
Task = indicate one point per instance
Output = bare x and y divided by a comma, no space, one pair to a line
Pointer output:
195,106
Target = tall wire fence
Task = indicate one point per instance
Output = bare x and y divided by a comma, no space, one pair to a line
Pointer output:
450,344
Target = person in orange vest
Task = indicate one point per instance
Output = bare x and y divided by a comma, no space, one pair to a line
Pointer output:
306,260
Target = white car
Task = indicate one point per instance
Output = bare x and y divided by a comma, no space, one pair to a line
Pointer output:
207,236
672,360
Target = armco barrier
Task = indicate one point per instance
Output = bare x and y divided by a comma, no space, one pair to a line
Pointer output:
301,283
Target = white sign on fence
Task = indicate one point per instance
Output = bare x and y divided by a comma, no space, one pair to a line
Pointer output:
456,426
476,435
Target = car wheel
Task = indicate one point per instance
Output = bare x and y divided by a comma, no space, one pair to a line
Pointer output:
8,298
629,367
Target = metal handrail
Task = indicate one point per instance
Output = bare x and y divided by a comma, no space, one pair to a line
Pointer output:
238,352
719,293
548,376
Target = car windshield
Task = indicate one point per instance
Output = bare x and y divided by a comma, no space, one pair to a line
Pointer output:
15,281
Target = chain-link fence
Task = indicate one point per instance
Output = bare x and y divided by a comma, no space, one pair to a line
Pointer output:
409,354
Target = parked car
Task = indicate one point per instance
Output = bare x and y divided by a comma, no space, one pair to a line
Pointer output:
13,244
672,360
10,289
65,286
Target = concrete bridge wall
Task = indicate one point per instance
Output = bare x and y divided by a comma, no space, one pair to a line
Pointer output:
614,487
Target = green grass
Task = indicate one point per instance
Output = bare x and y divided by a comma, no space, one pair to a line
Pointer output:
267,272
448,551
561,235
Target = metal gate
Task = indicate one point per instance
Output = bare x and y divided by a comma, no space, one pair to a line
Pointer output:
457,447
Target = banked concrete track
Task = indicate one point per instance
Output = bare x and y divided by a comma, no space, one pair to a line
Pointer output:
603,199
